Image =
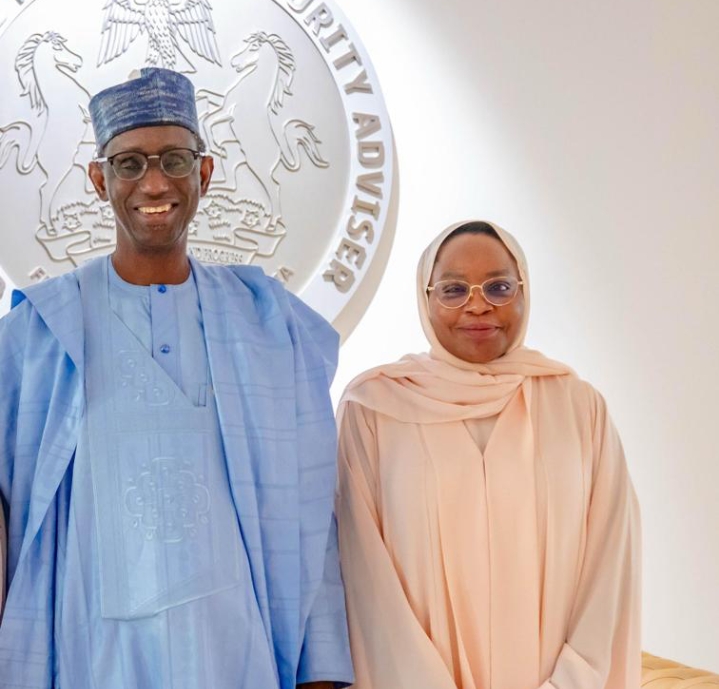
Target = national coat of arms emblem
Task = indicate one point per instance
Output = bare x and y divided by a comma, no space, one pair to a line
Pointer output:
289,107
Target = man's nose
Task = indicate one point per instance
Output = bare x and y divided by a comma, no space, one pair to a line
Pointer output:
154,181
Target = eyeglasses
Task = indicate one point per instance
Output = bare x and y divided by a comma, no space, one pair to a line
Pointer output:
132,165
453,294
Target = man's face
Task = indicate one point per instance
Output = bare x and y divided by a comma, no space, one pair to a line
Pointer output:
152,214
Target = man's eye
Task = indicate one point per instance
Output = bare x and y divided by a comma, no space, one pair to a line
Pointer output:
128,163
177,161
173,161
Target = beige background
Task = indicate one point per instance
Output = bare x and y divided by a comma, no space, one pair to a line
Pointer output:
591,131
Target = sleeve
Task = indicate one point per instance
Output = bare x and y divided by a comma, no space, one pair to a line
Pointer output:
390,649
603,649
314,329
325,650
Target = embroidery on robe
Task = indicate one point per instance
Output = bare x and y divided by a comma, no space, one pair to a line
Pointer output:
168,500
143,386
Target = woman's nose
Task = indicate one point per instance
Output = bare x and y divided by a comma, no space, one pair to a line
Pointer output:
476,301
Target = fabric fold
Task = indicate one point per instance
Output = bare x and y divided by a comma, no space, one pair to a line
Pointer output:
515,567
279,418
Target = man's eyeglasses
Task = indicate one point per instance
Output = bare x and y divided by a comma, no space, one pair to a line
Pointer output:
132,165
452,294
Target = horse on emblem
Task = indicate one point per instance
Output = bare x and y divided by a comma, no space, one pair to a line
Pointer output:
47,141
251,109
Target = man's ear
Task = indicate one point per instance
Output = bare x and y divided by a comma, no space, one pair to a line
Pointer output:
207,165
97,177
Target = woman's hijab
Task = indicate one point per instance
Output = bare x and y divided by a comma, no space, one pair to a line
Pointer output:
485,567
438,386
424,275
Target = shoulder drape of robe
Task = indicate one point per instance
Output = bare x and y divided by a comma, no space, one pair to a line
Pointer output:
418,540
248,317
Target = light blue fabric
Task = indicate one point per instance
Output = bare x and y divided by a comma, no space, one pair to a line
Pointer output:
268,357
167,321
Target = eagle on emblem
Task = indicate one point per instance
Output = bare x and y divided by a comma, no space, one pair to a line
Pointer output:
163,21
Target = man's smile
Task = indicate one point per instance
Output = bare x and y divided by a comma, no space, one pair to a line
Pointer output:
155,209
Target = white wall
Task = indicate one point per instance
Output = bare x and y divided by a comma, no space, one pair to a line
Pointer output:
5,290
591,131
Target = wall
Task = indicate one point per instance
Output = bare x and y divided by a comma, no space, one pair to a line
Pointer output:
5,290
590,131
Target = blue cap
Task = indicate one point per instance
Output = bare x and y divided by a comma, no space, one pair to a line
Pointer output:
156,97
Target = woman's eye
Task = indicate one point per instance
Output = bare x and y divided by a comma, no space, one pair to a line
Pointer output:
499,287
454,290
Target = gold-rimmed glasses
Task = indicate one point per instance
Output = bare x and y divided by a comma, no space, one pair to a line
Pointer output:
453,294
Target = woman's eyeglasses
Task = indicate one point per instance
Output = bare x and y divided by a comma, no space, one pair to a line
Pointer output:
452,294
132,165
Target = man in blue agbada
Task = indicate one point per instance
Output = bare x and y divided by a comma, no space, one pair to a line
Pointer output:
167,447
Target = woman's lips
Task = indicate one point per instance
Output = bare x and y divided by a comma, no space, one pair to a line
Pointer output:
479,331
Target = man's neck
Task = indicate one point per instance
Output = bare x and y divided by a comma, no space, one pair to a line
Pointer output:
167,269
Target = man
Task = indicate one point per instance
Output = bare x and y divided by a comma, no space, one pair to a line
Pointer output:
167,449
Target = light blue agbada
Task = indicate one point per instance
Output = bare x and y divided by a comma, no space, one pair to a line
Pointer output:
198,549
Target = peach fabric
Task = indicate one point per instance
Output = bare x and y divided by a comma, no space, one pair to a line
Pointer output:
512,568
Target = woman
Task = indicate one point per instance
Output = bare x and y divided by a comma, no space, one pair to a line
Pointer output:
489,532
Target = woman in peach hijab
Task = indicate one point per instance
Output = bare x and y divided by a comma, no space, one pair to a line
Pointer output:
489,532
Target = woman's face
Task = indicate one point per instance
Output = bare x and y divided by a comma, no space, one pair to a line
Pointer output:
477,332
